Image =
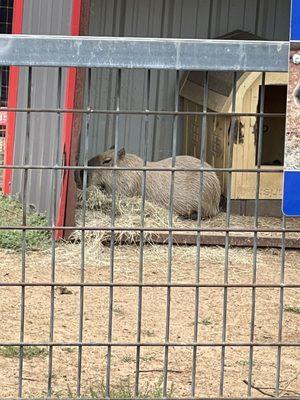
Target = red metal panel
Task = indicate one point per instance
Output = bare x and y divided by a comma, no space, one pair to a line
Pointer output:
77,121
71,122
12,102
70,102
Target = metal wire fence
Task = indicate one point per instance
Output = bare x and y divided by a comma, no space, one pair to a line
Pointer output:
195,343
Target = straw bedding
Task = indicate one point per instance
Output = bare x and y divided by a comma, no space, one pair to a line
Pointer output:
98,212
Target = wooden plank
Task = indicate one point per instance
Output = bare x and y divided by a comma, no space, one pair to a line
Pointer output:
195,93
187,239
219,240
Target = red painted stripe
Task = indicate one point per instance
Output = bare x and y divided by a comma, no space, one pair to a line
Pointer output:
75,22
12,102
68,122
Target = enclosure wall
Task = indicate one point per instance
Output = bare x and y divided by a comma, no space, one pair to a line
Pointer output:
40,17
166,18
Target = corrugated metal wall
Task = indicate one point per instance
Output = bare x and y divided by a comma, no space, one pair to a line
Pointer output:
166,18
40,17
147,18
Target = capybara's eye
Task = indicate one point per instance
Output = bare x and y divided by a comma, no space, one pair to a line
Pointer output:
107,161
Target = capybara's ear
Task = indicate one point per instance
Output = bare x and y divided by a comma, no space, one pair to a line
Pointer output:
121,153
112,147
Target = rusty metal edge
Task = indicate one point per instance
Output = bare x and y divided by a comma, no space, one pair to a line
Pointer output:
214,240
219,240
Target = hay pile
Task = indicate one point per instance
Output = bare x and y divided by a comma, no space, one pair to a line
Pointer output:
128,214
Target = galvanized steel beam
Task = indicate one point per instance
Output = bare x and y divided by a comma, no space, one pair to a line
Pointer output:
181,54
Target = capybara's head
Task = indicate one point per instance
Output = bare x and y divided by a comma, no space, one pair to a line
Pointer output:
99,178
107,158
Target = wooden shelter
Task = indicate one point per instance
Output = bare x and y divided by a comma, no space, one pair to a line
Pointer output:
245,132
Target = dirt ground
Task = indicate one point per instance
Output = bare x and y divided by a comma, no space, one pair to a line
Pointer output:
123,366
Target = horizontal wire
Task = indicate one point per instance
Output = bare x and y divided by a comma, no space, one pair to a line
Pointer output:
140,112
152,169
149,344
151,398
152,285
158,230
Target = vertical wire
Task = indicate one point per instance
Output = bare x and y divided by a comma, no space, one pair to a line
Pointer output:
115,31
53,218
24,222
228,13
209,27
160,76
254,271
198,240
170,239
228,210
112,240
82,257
141,256
281,309
257,16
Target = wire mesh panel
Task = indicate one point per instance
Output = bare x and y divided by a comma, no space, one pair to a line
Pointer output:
174,281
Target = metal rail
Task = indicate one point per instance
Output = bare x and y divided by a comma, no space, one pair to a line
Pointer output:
112,52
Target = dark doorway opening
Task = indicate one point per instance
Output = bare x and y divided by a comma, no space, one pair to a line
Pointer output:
273,136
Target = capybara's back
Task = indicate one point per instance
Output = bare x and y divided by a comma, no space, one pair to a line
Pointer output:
187,185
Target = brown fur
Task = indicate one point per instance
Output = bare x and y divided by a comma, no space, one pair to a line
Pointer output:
296,94
158,183
296,91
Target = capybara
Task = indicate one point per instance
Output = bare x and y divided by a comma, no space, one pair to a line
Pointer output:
158,183
296,94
